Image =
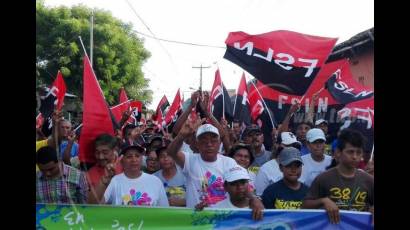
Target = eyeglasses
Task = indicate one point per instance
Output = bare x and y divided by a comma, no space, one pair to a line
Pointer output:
152,159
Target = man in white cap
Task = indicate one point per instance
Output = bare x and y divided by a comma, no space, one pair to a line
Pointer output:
270,173
323,125
316,161
236,185
204,171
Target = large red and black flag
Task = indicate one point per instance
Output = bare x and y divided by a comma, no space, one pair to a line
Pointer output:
326,107
220,104
359,115
241,103
344,88
96,114
261,115
283,60
54,99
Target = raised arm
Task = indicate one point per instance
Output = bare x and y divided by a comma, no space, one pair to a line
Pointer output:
311,112
67,152
184,116
189,128
284,127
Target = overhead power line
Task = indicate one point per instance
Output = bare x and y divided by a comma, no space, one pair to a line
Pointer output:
180,42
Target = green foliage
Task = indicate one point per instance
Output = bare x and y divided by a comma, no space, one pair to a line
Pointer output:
118,53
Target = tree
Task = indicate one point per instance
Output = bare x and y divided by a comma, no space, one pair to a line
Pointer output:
118,52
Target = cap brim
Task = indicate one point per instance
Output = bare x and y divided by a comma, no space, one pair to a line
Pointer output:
289,161
318,138
139,148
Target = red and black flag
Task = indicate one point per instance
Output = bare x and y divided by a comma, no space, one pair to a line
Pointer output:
96,114
176,107
53,99
160,112
326,107
220,104
241,104
344,88
261,115
283,60
174,111
359,115
136,108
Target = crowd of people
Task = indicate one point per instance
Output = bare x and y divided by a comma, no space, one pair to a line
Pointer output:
206,163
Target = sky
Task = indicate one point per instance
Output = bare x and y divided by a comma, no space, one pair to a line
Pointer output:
209,22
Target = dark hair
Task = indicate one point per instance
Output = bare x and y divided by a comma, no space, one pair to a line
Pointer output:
304,123
126,129
350,136
239,146
46,154
106,139
161,150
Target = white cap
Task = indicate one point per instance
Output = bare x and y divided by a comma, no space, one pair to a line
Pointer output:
206,128
320,121
236,173
288,138
315,134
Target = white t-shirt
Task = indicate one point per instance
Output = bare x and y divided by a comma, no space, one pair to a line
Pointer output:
311,168
226,204
204,180
186,148
268,174
146,190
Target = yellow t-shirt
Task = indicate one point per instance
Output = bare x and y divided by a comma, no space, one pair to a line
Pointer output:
40,144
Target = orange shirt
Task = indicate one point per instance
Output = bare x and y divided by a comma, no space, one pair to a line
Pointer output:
96,172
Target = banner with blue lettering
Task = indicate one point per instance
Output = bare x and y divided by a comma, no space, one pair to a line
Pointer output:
52,216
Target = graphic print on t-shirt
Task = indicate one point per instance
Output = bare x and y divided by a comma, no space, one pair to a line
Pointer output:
175,191
212,189
136,198
287,204
349,200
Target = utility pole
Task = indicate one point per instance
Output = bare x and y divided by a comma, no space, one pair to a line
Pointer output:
200,74
91,37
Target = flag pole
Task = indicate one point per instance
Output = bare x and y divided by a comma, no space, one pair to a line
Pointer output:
263,101
82,44
371,156
223,99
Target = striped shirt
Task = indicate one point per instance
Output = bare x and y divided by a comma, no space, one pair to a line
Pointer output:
72,187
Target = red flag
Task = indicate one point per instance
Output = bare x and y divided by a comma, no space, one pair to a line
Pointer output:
96,116
123,95
173,110
60,90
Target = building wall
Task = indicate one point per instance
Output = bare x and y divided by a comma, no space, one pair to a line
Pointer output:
362,68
